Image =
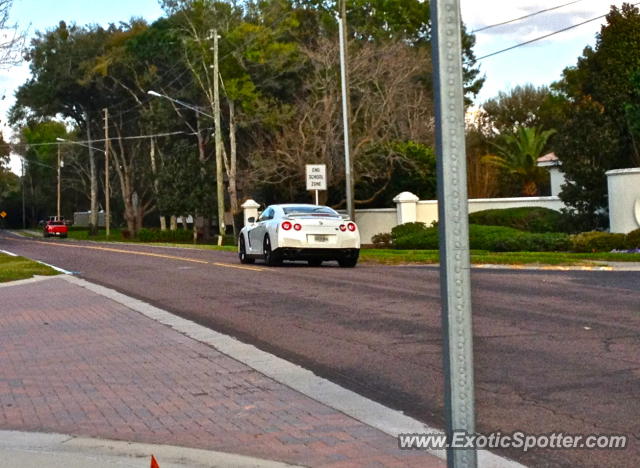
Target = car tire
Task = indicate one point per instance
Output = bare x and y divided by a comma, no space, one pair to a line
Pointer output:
242,252
63,236
270,257
348,262
45,235
315,262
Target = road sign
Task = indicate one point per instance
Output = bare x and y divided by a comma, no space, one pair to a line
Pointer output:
316,177
3,214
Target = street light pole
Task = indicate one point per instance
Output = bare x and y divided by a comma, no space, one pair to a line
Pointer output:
24,209
59,183
218,138
107,204
344,79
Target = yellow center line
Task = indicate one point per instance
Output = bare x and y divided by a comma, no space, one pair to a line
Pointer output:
239,267
151,254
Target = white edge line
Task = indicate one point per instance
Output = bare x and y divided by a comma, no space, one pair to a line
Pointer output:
369,412
11,254
61,270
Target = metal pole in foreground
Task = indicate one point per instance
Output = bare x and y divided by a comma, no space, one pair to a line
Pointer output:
454,227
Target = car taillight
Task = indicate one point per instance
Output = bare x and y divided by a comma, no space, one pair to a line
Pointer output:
286,225
297,227
351,227
343,227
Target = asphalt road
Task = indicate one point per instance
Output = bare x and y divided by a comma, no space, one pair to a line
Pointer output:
554,351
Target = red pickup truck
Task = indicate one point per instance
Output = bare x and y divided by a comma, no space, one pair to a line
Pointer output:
55,228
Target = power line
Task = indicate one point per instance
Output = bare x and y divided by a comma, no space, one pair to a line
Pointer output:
524,17
546,35
72,142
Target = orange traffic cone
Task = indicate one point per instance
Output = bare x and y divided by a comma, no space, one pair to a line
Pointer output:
154,462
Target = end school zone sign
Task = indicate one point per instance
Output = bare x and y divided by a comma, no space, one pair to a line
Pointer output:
316,176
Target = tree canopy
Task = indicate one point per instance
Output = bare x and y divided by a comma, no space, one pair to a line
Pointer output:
280,101
602,96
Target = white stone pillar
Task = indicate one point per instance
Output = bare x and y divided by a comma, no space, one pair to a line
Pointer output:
250,209
406,207
624,199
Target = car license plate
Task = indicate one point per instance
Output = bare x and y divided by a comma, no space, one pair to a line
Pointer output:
321,238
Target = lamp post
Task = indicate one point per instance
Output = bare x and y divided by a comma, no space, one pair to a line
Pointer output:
217,134
106,167
58,166
346,111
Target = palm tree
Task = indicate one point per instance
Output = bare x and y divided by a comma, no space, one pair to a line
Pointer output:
518,153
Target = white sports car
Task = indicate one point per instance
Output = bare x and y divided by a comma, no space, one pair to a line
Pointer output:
299,232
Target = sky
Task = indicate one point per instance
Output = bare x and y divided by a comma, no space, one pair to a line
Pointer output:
539,63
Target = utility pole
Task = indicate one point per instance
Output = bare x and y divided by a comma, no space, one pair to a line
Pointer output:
455,281
59,165
93,218
218,138
346,108
107,210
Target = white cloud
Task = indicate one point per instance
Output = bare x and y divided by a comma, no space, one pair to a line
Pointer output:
478,14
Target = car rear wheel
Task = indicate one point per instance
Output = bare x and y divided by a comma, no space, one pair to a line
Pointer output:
242,252
315,262
270,257
348,262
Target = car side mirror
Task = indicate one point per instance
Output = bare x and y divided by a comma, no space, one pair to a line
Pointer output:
251,219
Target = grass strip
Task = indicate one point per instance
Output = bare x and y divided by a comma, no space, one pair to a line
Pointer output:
17,268
397,257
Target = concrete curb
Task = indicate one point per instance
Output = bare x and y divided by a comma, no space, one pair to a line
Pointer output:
32,449
369,412
35,279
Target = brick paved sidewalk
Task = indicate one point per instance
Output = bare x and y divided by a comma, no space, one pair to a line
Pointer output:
75,362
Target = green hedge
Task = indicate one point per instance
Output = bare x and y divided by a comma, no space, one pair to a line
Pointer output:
412,236
531,219
633,239
596,241
491,238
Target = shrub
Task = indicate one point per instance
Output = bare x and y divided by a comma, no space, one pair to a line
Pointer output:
228,239
505,239
491,238
156,235
531,219
596,241
407,229
126,234
426,239
633,239
382,240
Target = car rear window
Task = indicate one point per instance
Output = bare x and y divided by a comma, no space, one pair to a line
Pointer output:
310,210
56,223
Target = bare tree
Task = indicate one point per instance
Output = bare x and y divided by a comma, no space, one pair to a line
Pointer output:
390,104
12,39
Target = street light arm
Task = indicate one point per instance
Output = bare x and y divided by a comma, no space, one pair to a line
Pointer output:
182,103
69,142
